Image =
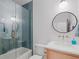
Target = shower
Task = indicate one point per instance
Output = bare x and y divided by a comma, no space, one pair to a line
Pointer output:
15,27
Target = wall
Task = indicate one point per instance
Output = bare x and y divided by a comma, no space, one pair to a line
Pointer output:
43,14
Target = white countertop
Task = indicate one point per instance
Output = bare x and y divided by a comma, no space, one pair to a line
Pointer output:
71,49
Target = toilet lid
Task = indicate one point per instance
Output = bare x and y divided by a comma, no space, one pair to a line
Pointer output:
36,57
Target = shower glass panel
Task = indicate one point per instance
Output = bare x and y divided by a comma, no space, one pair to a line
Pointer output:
7,25
29,29
23,28
22,20
15,28
7,11
24,25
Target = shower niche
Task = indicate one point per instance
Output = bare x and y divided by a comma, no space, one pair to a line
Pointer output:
64,22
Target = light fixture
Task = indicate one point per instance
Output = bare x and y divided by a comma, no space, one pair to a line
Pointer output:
63,4
62,0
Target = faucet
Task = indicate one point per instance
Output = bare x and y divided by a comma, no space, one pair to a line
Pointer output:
61,36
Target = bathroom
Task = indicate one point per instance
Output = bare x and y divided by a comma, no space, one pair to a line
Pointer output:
39,29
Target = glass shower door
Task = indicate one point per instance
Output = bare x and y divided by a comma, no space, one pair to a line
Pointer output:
23,20
23,31
14,29
7,14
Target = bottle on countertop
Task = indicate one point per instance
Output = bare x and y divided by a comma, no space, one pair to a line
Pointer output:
74,41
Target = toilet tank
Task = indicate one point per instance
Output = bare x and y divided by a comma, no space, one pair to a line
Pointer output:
39,50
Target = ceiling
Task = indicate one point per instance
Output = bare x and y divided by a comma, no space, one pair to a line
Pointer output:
22,2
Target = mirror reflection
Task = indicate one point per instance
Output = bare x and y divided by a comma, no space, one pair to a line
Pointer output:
64,22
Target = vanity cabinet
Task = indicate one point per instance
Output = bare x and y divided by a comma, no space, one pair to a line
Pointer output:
52,54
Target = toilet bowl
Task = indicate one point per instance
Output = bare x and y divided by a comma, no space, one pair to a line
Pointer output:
36,57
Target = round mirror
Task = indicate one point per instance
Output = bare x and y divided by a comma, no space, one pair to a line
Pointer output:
64,22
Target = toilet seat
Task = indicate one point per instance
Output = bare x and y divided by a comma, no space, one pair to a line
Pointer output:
36,57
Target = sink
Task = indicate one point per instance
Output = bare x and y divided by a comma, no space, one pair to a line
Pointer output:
63,47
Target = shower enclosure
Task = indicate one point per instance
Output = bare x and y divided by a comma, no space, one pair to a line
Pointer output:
15,26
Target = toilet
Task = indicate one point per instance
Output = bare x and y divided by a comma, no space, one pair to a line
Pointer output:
39,52
36,57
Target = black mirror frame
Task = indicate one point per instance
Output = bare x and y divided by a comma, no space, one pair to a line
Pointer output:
61,13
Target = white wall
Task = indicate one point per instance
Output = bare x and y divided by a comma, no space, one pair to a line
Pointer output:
43,14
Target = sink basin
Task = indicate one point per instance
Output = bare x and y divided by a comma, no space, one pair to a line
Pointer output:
63,47
62,44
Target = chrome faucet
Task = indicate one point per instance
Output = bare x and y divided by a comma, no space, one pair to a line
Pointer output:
63,36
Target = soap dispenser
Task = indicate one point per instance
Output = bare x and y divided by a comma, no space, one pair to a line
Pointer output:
74,41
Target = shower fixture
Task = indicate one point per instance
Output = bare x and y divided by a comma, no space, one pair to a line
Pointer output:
3,25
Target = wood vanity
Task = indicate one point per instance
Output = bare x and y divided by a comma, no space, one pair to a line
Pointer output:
53,54
58,51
